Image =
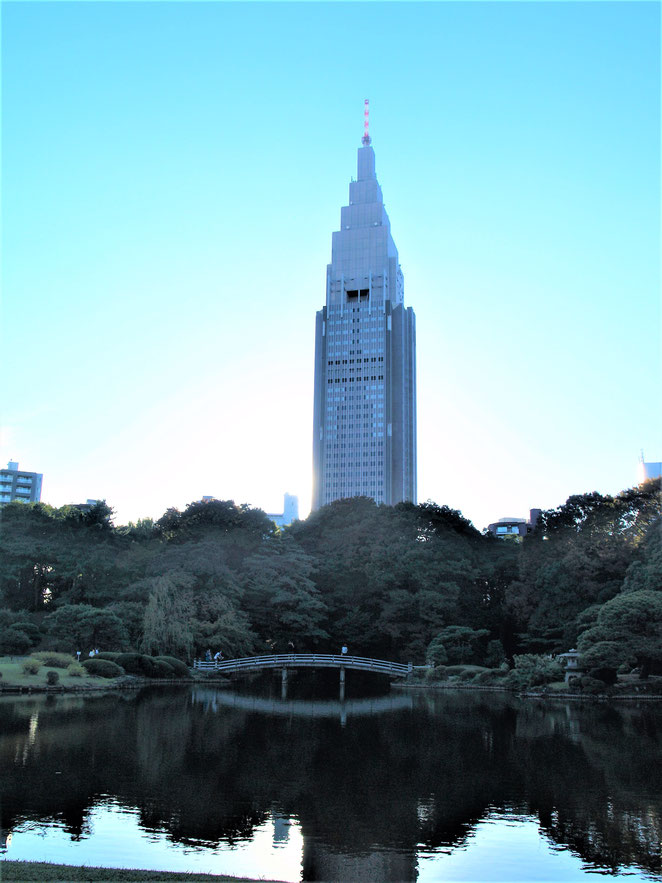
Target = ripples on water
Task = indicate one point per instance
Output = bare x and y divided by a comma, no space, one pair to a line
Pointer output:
396,787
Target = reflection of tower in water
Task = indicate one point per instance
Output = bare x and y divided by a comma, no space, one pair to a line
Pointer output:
281,829
382,866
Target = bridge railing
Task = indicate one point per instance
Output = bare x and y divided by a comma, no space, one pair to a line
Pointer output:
305,660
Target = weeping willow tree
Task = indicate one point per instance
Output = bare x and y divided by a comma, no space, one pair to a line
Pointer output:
167,624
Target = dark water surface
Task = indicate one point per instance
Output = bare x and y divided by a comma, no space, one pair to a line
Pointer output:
399,787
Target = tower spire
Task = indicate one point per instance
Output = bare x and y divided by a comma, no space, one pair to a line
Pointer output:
366,123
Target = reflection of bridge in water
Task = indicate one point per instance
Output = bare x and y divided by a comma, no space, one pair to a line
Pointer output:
287,661
212,699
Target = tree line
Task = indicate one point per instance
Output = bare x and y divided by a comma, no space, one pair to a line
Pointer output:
407,582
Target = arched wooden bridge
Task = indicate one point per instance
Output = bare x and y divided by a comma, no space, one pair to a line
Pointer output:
285,661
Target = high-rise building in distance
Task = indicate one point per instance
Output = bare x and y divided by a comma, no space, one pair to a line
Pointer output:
364,436
290,511
648,469
25,487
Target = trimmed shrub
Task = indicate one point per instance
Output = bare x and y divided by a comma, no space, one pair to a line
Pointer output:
163,670
591,686
464,671
137,664
180,668
52,659
102,668
75,670
602,661
31,666
52,678
107,654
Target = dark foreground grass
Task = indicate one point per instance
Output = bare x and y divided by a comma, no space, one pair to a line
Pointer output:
44,872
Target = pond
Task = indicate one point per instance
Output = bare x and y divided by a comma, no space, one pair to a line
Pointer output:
402,786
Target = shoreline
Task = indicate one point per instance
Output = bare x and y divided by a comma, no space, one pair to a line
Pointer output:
48,872
533,694
125,682
133,682
16,689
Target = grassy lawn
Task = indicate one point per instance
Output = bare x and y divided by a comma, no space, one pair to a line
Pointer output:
36,872
13,676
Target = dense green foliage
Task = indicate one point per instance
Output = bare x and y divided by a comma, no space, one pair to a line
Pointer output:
628,629
584,554
531,670
404,583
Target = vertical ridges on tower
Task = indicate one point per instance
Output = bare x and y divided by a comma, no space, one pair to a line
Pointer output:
364,437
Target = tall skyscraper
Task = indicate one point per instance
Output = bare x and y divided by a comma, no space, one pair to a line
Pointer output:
364,436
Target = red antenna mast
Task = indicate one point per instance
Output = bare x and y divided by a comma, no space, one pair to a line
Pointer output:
366,123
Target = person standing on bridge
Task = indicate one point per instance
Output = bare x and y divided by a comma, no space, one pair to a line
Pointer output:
218,656
344,650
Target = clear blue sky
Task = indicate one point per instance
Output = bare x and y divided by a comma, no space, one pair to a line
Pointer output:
172,174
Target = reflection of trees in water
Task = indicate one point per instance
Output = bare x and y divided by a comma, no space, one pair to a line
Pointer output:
372,789
604,801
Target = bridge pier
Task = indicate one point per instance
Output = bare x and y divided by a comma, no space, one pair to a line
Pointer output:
342,683
283,683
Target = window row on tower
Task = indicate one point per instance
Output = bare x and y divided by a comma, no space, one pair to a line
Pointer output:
357,361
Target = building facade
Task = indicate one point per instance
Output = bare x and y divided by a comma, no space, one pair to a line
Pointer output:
16,485
364,435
